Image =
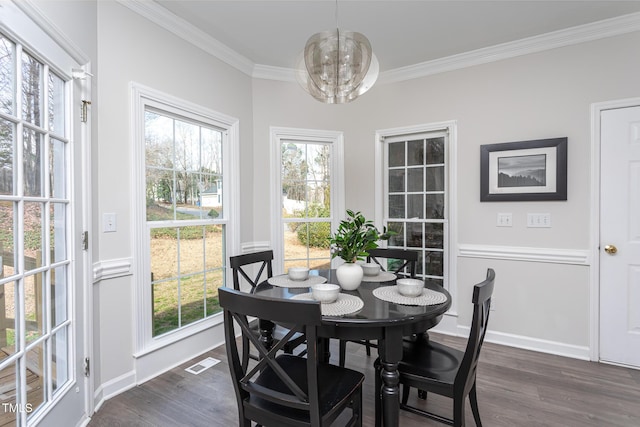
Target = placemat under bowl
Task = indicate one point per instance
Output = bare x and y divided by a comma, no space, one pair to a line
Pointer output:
283,281
345,304
383,276
391,294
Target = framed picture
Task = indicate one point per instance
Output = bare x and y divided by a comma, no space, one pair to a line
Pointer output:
524,170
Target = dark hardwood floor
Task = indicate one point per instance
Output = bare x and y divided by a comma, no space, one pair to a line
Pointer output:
515,388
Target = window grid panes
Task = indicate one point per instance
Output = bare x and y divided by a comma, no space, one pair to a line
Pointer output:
415,199
185,218
35,304
306,203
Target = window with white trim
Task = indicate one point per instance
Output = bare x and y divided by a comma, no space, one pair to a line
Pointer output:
185,217
309,187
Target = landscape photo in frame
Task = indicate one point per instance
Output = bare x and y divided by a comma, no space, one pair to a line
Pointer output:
524,170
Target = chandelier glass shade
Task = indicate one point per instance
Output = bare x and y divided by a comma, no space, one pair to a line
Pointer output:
337,66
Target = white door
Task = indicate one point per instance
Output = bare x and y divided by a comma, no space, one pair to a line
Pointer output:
43,264
620,236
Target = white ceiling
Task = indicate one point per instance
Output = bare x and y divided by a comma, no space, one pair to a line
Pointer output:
402,33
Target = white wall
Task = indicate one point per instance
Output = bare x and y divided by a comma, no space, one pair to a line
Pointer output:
132,49
538,304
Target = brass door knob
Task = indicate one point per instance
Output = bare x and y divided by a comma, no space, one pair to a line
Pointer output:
610,249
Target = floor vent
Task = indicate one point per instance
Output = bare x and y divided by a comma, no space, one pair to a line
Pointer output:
202,365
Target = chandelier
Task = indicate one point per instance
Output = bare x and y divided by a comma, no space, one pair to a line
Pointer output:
337,66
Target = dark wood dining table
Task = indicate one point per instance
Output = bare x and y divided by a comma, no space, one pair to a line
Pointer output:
378,320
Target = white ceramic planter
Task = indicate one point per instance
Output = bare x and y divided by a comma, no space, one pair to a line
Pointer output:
349,276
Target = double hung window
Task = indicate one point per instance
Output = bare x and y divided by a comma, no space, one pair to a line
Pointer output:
185,217
309,189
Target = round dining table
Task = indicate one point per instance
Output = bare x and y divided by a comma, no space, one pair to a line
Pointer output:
377,319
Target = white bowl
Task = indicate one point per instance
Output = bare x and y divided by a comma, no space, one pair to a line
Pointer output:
298,273
371,269
410,287
325,292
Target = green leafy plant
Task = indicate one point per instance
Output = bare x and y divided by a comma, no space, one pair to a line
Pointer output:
355,236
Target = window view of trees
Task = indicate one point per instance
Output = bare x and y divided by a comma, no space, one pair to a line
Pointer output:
183,204
306,203
184,167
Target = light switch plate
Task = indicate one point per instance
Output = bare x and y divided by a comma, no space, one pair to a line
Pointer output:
539,220
109,222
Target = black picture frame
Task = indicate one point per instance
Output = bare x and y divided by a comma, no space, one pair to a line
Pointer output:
524,171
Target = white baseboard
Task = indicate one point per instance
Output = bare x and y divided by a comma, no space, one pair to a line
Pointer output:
525,343
536,344
449,326
113,388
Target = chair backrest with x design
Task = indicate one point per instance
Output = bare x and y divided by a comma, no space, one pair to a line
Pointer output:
278,388
241,264
403,259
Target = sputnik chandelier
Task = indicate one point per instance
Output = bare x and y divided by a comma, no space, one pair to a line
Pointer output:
337,66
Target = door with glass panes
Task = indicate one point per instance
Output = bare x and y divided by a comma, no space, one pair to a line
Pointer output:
416,199
41,300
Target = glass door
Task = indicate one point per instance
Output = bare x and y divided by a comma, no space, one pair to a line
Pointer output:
41,268
416,199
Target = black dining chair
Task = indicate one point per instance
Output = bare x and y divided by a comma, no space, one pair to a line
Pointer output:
437,368
397,261
402,262
244,266
286,390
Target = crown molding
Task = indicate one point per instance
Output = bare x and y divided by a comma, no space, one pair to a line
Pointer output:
181,28
565,37
49,28
269,72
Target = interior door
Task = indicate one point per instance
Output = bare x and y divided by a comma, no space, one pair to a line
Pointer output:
620,236
43,264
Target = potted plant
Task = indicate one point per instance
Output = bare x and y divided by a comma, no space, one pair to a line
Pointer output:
353,239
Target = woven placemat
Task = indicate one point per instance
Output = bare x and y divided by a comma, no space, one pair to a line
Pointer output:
391,294
383,276
283,281
345,304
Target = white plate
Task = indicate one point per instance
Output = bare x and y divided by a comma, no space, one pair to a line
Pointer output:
345,304
284,281
391,294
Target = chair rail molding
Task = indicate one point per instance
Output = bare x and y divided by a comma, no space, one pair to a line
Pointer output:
530,254
248,247
111,268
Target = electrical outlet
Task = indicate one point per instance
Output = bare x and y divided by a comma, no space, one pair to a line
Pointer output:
505,220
